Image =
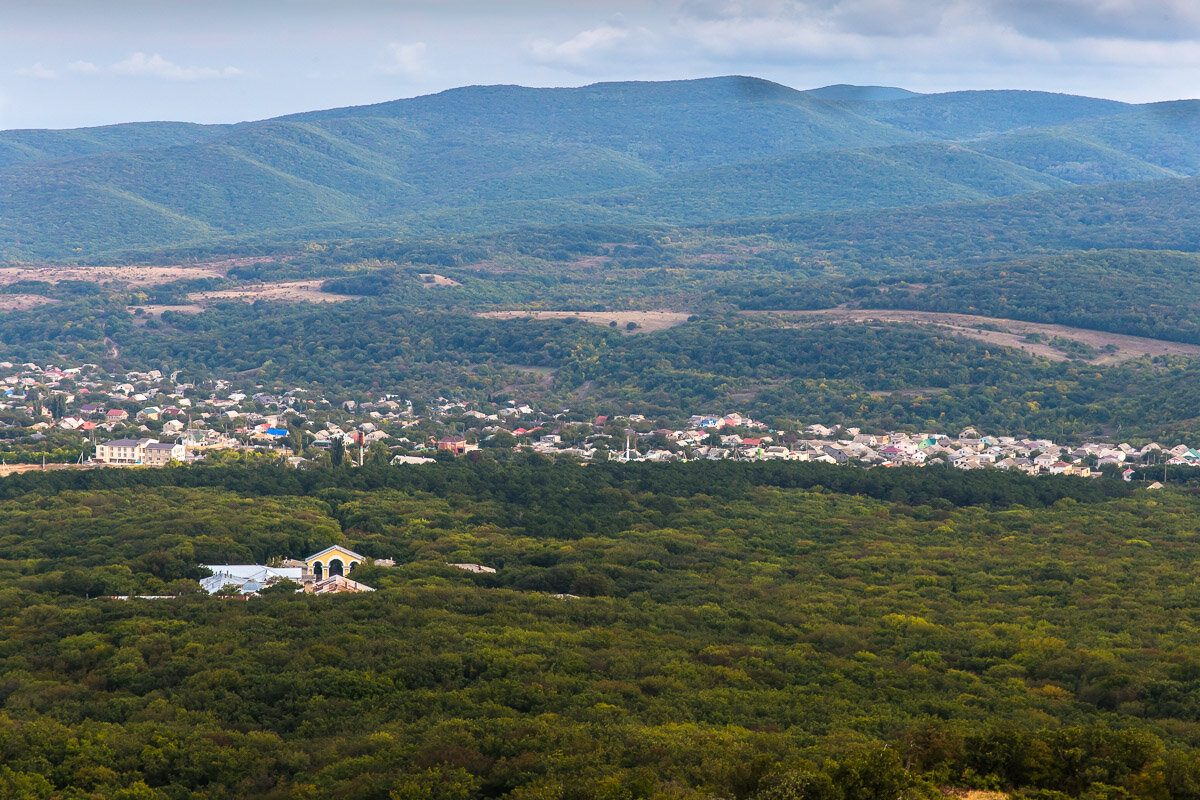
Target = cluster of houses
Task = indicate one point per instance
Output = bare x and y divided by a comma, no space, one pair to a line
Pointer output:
973,450
836,445
152,419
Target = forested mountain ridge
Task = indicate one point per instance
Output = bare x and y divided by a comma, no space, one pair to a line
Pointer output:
31,146
495,157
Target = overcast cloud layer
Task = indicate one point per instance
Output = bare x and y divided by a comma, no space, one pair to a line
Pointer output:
69,63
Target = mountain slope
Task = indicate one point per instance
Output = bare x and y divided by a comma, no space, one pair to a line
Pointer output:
32,146
488,158
668,125
905,175
957,115
1071,154
1149,215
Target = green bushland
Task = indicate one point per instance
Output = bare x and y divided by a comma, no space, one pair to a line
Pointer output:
737,630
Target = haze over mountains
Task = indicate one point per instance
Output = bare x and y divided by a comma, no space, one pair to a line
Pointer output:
496,157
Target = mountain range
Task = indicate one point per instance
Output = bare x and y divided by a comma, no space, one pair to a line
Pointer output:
487,158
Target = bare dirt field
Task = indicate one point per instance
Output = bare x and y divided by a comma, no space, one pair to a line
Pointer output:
20,302
646,321
430,279
1006,333
15,469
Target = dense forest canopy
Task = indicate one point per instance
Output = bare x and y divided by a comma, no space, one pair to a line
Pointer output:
728,629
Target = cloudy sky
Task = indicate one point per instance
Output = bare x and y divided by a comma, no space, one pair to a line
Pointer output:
68,63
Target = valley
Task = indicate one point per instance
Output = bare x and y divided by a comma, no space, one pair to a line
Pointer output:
697,439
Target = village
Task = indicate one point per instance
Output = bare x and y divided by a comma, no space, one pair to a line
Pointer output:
83,417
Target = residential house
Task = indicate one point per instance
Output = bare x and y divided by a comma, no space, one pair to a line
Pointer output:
159,454
837,455
452,444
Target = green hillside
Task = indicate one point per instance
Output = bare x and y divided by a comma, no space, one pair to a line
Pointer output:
1164,134
667,125
1139,292
905,175
1071,155
490,158
1149,215
957,115
30,146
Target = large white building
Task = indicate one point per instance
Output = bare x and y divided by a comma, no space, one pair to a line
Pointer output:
123,451
241,574
148,452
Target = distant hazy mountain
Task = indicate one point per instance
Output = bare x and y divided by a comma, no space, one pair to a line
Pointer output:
846,91
496,157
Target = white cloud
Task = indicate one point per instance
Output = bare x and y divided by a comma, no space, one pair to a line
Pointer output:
155,66
39,71
1138,20
83,67
929,45
737,9
1145,20
947,37
580,47
613,43
406,59
1117,53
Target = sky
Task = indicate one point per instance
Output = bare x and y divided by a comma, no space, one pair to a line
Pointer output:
75,63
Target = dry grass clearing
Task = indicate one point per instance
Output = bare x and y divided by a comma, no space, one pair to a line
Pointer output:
646,321
20,302
157,311
1006,332
287,292
430,279
131,276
